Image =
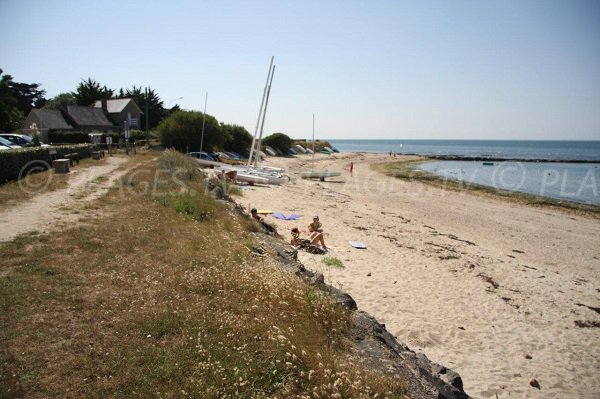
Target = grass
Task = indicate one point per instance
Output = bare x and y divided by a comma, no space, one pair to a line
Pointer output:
158,302
333,262
407,170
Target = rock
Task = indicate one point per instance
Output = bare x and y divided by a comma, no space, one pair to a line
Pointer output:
528,356
317,279
369,275
534,383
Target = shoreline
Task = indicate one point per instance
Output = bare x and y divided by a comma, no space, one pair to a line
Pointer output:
411,172
501,159
432,254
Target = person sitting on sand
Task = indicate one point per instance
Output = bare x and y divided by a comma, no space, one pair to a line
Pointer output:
305,244
269,228
255,215
315,232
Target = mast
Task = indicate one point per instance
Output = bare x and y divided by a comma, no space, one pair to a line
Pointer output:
203,120
262,102
258,146
312,164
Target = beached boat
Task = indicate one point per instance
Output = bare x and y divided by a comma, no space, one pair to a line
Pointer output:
319,174
301,149
270,151
326,150
291,151
272,175
252,179
334,149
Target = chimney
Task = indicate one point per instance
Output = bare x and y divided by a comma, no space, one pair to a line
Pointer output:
105,106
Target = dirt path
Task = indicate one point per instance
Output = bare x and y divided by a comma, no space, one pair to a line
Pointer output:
46,211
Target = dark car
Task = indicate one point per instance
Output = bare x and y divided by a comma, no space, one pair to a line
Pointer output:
202,155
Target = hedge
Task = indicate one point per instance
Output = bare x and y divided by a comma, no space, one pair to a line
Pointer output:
79,137
18,163
75,137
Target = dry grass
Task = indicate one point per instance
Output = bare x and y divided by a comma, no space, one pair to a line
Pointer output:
408,170
166,299
41,182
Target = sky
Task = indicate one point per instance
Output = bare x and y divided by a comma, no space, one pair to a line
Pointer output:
485,69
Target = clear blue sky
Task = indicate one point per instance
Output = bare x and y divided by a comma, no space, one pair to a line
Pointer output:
367,69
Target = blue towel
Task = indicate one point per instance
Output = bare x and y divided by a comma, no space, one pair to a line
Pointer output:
283,217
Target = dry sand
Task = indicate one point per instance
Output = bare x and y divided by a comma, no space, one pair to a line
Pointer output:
476,283
49,210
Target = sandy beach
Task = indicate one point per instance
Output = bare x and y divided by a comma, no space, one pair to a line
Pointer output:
498,291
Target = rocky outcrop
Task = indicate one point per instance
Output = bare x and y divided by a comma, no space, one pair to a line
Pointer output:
375,346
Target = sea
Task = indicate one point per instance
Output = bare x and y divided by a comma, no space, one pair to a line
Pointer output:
554,178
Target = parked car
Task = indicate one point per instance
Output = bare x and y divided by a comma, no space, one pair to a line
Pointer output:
20,139
202,155
9,144
233,155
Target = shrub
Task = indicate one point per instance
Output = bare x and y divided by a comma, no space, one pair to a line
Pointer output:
333,262
77,137
18,163
279,141
183,131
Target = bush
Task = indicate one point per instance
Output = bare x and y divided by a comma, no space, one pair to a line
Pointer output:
18,163
77,137
183,131
68,137
279,141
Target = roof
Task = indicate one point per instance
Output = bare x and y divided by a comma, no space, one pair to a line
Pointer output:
88,116
116,106
51,119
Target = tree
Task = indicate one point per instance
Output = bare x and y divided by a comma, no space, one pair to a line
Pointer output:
239,138
11,117
279,141
28,96
89,91
183,131
156,111
61,100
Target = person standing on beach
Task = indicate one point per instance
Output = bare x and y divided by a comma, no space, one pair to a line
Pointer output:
351,166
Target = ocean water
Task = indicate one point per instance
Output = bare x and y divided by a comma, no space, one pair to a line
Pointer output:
551,150
576,182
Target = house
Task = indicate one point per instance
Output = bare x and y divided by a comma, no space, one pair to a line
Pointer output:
122,110
105,116
88,119
43,121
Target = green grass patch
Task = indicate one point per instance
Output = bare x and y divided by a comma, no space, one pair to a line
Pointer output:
333,262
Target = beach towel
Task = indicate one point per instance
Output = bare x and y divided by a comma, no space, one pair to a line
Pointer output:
283,217
264,212
358,244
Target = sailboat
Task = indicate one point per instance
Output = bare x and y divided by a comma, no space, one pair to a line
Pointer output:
317,174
